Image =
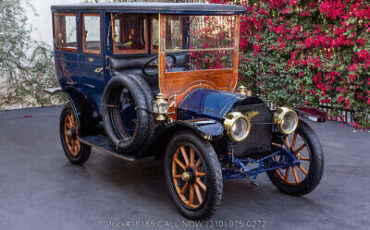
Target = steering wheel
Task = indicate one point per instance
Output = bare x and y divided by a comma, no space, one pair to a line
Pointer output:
150,68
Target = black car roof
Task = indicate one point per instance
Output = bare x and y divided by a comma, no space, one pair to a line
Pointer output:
155,7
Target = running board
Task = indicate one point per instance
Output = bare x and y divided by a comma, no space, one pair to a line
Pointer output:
102,143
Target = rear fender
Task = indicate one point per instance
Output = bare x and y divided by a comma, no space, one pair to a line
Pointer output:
86,115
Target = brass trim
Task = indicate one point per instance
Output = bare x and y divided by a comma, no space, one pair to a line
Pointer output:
278,119
251,114
230,119
98,70
161,100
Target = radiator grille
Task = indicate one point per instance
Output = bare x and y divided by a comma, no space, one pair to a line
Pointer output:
259,139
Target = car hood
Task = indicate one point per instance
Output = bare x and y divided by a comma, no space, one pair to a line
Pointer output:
203,102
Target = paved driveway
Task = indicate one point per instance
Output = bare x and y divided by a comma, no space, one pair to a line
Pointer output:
40,189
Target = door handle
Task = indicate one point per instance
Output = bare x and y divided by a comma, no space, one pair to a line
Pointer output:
98,70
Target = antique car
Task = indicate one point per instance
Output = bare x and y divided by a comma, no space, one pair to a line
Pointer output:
151,80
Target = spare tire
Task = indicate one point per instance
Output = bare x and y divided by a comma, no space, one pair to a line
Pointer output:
149,98
127,113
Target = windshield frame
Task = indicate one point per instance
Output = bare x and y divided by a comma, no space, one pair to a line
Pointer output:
176,92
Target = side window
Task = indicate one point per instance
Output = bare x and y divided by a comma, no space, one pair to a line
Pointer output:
174,33
130,33
91,33
65,31
155,34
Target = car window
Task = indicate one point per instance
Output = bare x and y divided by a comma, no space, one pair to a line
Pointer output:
65,31
91,33
155,34
130,33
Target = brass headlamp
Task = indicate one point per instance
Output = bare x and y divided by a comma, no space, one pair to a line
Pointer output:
237,126
286,120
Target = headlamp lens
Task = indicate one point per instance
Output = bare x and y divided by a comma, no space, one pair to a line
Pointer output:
240,129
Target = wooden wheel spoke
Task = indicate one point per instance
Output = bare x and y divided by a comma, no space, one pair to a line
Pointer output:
70,119
303,169
278,145
192,156
78,145
68,140
191,194
180,164
287,142
294,140
73,120
197,164
176,176
184,188
286,179
68,126
299,149
201,184
199,195
199,174
295,174
184,155
304,158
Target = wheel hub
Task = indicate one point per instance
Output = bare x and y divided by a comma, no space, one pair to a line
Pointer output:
188,175
185,176
69,133
72,133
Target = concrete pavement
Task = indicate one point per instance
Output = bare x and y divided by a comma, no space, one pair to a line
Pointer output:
40,189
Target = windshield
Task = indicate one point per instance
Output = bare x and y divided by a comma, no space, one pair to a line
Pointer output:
207,41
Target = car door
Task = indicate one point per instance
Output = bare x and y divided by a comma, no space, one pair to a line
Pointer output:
66,48
92,58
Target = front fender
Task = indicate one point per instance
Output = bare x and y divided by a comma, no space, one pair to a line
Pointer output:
205,126
313,114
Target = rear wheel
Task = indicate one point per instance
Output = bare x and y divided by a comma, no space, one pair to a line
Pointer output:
194,176
76,152
302,179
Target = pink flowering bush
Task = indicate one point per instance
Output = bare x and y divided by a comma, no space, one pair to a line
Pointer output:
304,52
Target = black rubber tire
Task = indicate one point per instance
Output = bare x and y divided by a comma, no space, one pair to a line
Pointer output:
214,184
85,150
129,145
149,98
316,168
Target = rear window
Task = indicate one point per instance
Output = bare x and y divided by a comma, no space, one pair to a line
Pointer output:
65,31
130,33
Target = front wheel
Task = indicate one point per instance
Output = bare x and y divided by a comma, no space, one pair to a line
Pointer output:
193,175
76,152
302,179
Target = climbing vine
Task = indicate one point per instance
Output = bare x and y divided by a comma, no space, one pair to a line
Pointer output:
308,52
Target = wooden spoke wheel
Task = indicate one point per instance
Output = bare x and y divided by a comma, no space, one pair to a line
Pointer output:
71,133
76,152
188,176
297,145
301,179
193,175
